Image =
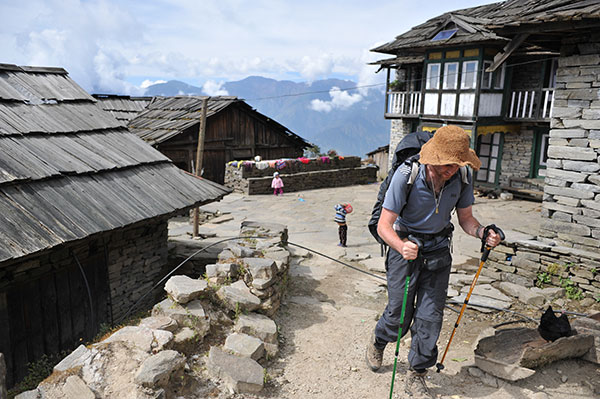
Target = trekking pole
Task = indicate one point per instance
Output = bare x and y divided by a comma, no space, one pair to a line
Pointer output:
409,269
485,249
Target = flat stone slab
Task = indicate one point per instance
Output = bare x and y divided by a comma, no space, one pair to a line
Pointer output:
299,252
183,289
237,296
191,314
467,279
488,291
220,219
144,338
257,325
157,369
374,264
159,323
76,358
75,388
244,345
590,326
513,353
240,374
481,300
523,294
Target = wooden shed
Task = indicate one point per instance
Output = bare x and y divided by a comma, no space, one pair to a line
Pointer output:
380,157
234,131
83,215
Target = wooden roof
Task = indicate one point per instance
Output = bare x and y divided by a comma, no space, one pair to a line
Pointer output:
493,23
166,117
69,170
123,108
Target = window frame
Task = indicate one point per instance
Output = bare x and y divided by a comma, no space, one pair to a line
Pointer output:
446,74
465,72
428,77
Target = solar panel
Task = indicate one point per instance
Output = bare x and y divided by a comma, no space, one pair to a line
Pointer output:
444,34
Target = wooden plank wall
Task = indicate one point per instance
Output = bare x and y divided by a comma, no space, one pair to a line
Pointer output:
52,313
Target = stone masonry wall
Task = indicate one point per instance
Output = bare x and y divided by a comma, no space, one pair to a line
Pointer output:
135,258
317,173
516,156
313,180
399,128
572,187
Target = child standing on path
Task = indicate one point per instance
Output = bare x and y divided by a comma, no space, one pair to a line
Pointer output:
277,184
341,210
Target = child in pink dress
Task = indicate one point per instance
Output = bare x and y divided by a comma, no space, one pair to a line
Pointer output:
277,184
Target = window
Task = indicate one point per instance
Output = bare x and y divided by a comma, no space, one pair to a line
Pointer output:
444,35
450,75
488,151
433,77
486,77
469,74
492,79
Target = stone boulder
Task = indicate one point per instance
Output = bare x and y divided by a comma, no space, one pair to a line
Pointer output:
237,297
156,371
191,314
261,327
240,374
75,388
245,346
183,289
159,323
143,338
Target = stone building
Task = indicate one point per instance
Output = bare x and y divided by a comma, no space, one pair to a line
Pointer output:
84,206
531,103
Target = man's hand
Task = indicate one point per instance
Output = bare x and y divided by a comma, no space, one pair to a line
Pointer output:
492,239
410,250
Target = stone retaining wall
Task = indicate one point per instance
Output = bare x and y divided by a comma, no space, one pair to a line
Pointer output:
529,262
312,180
318,173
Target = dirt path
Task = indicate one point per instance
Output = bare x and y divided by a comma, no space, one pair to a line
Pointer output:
330,310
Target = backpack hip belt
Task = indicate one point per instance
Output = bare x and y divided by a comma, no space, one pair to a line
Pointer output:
445,232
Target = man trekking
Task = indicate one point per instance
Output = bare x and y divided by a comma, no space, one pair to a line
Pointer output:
424,213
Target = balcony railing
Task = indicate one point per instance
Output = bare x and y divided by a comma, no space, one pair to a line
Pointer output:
404,102
531,104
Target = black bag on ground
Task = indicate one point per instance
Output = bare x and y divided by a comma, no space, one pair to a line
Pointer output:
407,147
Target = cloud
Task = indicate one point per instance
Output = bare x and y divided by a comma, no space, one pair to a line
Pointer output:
212,88
339,100
147,83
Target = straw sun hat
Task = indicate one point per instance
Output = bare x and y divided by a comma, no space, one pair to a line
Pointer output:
449,145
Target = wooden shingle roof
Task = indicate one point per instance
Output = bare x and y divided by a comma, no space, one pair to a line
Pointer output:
69,169
166,117
490,23
123,108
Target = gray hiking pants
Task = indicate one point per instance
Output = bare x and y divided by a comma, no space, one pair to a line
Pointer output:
424,308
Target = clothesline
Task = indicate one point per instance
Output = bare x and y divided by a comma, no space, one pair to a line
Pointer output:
279,164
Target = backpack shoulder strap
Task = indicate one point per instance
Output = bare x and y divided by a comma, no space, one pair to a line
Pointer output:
414,170
464,175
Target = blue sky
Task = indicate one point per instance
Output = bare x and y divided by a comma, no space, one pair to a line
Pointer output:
121,46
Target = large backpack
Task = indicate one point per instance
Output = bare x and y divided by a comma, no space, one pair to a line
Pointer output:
406,151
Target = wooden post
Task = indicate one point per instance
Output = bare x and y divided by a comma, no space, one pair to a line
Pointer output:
199,151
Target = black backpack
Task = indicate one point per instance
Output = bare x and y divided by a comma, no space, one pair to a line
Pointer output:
406,151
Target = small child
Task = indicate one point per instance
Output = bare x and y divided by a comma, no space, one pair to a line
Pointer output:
341,210
277,184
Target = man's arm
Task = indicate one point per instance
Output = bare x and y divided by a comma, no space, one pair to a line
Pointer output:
471,226
385,229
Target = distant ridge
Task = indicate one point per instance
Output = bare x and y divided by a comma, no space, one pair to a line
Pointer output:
354,130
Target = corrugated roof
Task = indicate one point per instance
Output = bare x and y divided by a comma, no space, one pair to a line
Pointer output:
68,169
166,117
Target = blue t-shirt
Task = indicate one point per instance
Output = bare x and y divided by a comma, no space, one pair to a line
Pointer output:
419,214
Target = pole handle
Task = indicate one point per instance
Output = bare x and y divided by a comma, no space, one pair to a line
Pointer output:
486,230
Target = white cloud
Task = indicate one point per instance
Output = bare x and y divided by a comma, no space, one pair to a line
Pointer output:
339,100
212,88
147,83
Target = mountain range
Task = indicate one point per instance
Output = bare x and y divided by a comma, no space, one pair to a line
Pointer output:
351,124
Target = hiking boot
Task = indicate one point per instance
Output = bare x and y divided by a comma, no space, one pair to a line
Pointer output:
374,355
415,387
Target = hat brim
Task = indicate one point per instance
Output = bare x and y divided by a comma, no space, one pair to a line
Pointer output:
430,156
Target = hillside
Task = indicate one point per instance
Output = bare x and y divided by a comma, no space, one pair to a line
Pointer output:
353,125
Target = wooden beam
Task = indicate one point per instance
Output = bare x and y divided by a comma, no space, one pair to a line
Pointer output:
507,51
200,149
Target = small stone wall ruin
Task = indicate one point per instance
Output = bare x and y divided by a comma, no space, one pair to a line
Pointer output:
209,334
255,177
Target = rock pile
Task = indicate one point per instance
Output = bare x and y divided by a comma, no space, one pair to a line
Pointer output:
226,313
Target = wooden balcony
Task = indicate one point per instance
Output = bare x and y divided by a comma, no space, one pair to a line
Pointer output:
403,103
530,104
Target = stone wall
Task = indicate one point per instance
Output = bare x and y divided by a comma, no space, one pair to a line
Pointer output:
572,190
313,180
528,262
516,155
297,176
398,130
135,258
